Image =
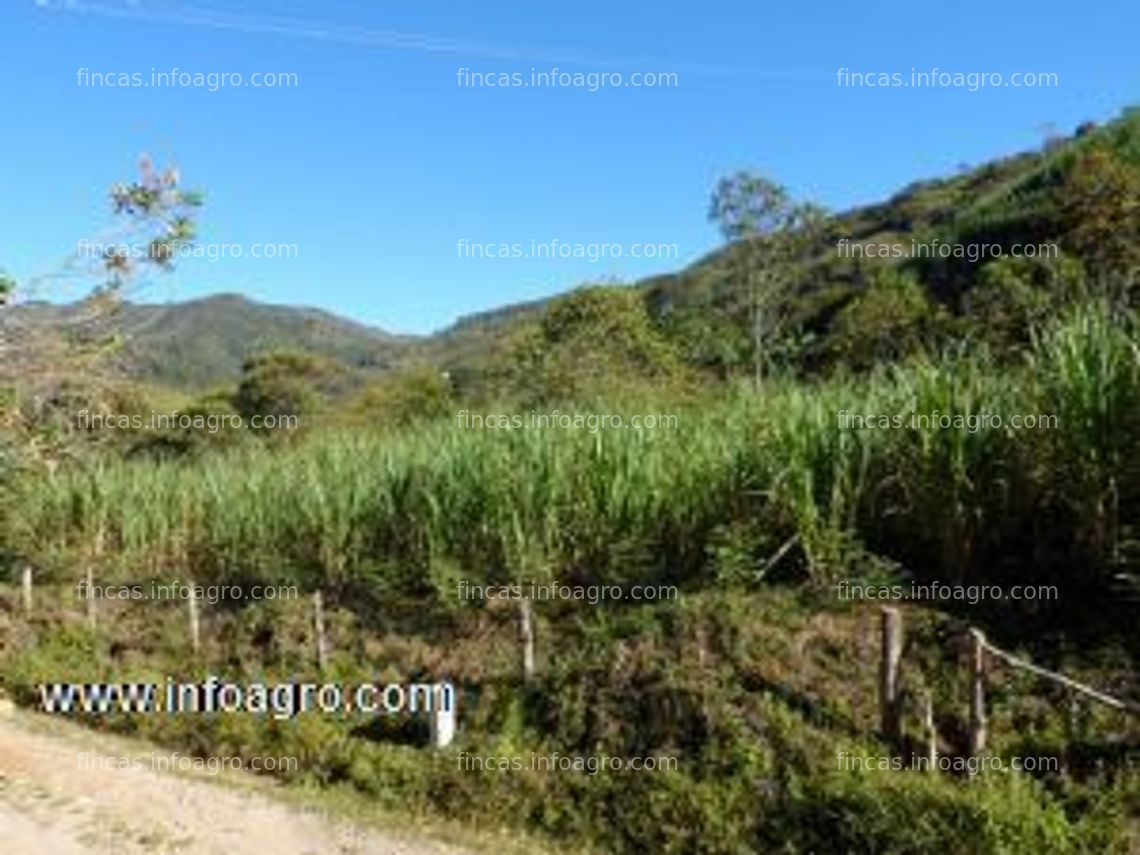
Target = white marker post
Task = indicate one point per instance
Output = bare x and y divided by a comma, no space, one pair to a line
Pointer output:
443,718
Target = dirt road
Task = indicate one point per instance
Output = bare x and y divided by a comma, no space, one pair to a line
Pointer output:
51,801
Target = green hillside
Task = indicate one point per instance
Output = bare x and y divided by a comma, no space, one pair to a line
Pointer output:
204,342
200,344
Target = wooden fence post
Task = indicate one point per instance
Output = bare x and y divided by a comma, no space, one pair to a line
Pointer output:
92,618
891,652
96,555
930,734
27,587
526,631
319,628
977,692
195,624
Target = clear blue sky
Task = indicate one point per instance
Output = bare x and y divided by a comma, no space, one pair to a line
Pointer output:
378,163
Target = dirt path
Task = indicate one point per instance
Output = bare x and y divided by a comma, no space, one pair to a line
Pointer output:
49,802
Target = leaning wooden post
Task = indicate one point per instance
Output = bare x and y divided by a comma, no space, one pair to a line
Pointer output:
891,650
319,628
977,693
195,624
27,587
929,733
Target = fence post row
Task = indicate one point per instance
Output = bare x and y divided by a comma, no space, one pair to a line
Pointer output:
890,708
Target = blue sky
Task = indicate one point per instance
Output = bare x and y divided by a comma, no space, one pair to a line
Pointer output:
378,163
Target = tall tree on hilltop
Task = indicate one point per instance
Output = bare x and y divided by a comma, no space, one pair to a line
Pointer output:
771,231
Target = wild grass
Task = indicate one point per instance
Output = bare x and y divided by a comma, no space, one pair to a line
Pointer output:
619,505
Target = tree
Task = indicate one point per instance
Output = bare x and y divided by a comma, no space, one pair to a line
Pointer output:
284,383
409,394
1013,296
595,341
1100,218
46,347
770,231
154,219
888,322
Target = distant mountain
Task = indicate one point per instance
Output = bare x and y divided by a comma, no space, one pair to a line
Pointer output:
201,343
